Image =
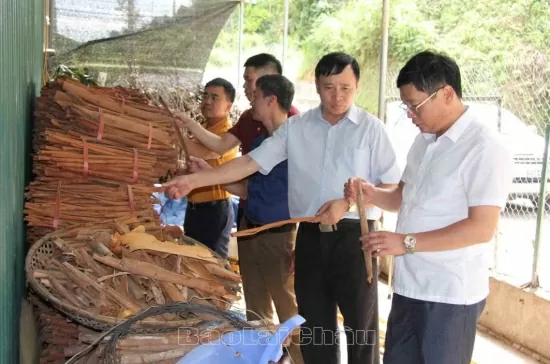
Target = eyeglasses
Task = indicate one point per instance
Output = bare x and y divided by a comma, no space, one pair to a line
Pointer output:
414,108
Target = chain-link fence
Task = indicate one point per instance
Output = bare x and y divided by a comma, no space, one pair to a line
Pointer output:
515,101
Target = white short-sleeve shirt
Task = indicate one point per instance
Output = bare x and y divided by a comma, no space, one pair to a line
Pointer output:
465,167
322,157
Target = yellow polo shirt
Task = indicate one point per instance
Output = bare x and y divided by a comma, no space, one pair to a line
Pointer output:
214,193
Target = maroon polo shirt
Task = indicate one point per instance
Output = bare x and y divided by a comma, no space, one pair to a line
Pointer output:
247,130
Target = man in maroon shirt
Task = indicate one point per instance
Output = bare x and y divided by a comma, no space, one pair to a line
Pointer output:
246,130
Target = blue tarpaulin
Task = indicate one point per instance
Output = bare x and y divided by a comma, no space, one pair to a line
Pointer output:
172,211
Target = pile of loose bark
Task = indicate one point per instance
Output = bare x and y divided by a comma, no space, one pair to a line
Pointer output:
89,145
108,270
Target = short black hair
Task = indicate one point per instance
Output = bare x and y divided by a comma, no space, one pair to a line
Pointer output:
228,88
279,86
428,71
334,63
264,60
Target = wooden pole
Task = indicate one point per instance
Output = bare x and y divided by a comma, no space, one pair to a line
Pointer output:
178,133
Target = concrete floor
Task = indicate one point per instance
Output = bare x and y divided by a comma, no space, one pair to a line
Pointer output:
487,350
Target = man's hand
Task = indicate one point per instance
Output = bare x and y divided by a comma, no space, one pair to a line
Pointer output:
382,243
350,191
178,187
183,120
331,212
198,164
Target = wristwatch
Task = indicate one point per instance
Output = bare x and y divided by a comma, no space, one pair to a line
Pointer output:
410,243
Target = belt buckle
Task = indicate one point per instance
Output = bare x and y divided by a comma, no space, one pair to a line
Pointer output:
327,228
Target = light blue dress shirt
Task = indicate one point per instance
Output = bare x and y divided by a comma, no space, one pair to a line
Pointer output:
322,157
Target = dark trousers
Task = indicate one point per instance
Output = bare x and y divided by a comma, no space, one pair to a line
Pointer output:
240,215
329,273
422,332
210,223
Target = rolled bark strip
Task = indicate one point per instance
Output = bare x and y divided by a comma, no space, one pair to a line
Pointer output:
178,132
170,289
64,293
223,273
43,273
121,299
99,248
254,231
155,357
152,271
364,227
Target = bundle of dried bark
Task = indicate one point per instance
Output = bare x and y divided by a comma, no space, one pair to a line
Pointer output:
64,205
59,337
83,133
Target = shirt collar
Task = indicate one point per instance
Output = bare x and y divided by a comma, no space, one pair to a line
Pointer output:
218,123
351,114
457,129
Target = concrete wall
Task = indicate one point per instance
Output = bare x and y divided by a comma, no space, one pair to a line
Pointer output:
519,316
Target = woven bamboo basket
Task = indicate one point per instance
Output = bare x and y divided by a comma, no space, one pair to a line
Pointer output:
44,248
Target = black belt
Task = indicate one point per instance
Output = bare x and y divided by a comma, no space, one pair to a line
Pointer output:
198,205
340,225
279,229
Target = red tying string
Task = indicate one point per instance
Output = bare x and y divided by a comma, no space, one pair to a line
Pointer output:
135,172
101,125
131,199
85,152
56,211
150,136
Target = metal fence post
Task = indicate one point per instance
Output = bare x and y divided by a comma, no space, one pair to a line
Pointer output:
537,261
495,251
385,25
240,50
285,34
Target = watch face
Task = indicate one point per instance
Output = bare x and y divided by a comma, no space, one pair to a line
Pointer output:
409,240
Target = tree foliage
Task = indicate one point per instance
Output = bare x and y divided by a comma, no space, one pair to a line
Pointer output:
504,43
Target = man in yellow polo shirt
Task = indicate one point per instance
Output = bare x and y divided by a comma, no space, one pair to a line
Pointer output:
209,216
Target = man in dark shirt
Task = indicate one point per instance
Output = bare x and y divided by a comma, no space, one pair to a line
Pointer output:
247,128
266,258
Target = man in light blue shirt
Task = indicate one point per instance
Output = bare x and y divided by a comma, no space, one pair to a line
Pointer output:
324,147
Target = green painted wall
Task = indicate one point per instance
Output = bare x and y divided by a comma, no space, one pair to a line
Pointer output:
21,34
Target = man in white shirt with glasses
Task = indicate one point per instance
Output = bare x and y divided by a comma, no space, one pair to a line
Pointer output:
452,191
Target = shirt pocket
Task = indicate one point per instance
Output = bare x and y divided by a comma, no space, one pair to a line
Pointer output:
443,184
354,162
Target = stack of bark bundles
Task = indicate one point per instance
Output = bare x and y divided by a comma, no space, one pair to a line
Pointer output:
97,153
62,339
